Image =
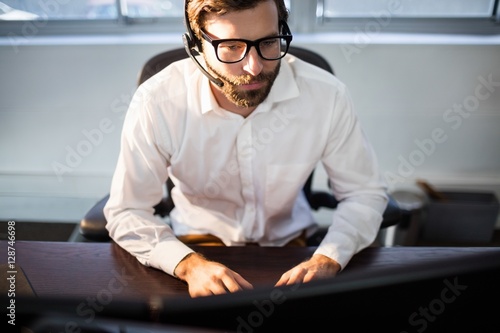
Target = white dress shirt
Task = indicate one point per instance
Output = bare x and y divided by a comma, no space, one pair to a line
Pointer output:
237,178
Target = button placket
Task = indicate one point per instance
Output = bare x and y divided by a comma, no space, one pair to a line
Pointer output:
246,154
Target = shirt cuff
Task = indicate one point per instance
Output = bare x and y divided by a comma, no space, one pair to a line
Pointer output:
341,257
167,254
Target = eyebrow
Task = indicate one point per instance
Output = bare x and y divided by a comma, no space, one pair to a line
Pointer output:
217,38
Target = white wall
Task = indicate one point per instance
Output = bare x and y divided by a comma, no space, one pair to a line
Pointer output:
53,91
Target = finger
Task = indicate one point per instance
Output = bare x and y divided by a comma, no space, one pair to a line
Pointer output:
200,292
295,278
235,282
242,282
231,285
283,279
295,275
208,289
308,277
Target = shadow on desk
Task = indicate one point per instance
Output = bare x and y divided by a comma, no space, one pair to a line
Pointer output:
457,295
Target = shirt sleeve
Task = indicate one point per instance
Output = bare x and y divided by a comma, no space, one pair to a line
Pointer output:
352,170
137,186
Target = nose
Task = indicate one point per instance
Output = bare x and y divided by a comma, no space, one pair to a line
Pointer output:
253,62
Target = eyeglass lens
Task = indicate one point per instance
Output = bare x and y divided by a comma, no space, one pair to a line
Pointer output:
269,49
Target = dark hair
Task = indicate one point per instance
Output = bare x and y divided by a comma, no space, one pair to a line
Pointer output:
198,9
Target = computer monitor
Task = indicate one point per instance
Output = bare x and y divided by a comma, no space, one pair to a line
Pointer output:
456,295
440,296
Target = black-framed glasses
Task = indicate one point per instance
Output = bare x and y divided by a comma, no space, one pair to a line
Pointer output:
234,50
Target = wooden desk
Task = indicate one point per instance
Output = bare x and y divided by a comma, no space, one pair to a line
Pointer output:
85,269
364,294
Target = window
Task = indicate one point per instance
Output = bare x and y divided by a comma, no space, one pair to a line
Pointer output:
56,17
406,8
93,9
419,16
32,18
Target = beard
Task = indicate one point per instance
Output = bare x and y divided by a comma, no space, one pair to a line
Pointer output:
246,98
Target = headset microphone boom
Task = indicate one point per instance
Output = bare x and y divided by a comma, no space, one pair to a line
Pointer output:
193,47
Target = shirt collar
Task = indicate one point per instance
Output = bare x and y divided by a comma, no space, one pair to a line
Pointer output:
285,87
208,101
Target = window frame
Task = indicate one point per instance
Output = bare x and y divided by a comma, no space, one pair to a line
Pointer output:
303,20
404,25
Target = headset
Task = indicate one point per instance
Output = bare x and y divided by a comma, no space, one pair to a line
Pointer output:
193,47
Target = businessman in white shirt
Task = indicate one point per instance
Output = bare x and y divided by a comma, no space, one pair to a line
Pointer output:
238,129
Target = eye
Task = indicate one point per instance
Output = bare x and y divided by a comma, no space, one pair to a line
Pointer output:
232,46
272,42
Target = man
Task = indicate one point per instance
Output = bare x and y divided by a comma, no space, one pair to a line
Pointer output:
238,131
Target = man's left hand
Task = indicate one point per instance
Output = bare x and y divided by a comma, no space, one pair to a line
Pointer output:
317,267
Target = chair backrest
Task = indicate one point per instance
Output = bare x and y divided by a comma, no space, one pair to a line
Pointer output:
160,61
92,226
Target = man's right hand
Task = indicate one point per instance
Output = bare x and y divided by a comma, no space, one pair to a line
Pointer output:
205,277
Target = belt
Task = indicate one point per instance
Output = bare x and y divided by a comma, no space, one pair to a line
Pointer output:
211,240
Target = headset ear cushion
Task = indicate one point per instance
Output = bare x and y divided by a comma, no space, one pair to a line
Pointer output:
192,43
188,42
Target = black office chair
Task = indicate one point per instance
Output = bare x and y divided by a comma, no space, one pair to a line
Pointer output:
93,226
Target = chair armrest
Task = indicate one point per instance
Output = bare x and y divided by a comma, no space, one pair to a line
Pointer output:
93,224
321,199
392,214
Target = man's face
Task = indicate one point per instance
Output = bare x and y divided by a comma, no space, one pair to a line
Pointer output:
246,83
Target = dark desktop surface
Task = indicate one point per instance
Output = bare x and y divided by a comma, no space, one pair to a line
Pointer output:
449,296
456,295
